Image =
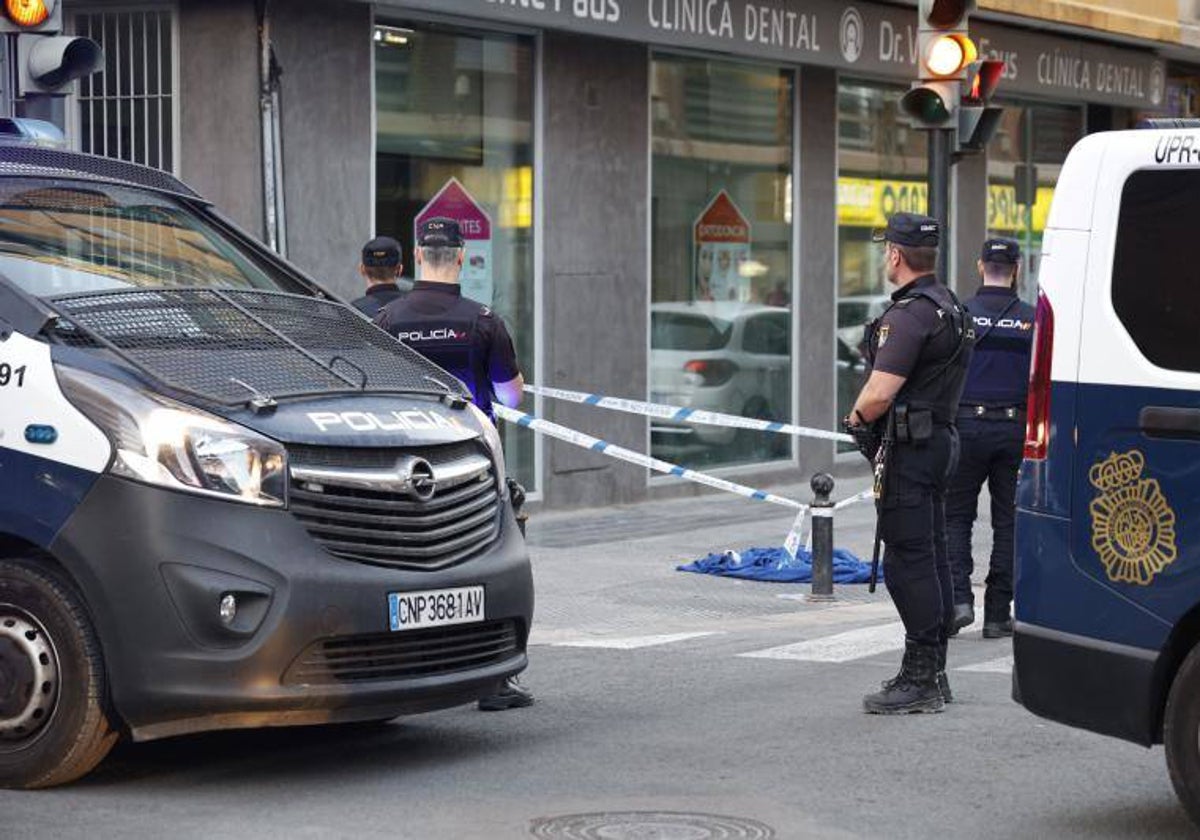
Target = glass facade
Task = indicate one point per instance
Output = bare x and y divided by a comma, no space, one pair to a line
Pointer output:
1024,159
881,170
454,137
721,316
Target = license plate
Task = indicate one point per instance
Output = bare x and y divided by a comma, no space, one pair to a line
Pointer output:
435,607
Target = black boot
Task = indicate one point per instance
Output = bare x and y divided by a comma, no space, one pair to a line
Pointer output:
512,695
999,629
964,616
915,688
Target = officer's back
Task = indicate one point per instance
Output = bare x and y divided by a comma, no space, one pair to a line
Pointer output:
452,331
381,266
999,374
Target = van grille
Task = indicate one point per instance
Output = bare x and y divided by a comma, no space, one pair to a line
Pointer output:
405,655
356,508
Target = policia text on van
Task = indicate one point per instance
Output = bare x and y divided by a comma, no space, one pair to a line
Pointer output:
1107,632
225,499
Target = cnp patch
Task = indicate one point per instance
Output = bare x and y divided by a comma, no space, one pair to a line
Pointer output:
1133,526
884,331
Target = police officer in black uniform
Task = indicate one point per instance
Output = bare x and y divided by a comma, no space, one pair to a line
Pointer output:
919,351
468,340
381,267
991,423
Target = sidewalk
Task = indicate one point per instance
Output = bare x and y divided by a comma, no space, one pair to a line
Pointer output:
612,571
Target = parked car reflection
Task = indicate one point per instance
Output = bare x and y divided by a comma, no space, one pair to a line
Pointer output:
720,356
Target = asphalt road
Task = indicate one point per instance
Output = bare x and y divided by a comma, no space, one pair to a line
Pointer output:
647,703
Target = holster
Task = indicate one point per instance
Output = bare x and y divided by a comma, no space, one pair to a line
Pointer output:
913,425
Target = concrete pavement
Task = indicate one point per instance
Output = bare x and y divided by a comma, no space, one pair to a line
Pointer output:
659,693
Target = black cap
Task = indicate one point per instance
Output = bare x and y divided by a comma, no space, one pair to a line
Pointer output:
439,233
1000,250
381,252
910,229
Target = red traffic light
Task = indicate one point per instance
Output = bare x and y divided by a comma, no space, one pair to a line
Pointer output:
984,77
945,14
28,12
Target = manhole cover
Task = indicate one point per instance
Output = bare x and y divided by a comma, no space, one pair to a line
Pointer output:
650,825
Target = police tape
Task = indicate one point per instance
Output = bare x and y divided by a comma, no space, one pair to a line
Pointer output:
679,414
629,456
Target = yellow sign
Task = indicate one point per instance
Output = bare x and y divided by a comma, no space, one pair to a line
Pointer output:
1133,526
867,202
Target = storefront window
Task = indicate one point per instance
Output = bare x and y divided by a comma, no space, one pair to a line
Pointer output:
454,137
881,170
1024,159
721,315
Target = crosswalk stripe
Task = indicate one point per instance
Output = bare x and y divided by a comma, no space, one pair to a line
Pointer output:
1003,665
842,647
631,642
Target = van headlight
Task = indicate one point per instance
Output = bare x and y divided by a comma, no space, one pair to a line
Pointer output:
162,442
491,436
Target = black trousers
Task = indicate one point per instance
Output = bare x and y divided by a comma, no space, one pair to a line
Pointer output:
913,525
991,452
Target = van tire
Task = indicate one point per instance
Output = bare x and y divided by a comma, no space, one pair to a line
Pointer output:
1181,733
73,731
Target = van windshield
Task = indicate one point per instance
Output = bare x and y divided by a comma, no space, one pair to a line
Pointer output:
60,237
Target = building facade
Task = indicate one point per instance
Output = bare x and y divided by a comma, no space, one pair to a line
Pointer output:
667,199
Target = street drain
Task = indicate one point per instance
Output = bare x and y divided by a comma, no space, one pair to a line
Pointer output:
649,825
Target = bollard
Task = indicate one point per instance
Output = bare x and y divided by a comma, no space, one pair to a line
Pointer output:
822,538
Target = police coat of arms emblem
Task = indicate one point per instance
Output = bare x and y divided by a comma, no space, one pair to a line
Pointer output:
1133,526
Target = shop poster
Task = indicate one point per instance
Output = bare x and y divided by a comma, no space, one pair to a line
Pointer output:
454,202
721,243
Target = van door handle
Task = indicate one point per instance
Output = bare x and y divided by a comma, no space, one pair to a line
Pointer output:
1160,421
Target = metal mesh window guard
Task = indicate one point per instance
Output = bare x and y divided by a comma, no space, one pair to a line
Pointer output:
227,346
127,110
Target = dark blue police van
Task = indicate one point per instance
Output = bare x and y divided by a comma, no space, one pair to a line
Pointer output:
226,499
1107,633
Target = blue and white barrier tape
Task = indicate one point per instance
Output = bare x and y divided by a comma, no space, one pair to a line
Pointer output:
680,414
628,455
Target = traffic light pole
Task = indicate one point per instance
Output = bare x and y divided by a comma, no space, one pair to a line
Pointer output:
939,142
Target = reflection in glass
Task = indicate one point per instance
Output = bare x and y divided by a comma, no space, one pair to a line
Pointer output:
453,105
721,290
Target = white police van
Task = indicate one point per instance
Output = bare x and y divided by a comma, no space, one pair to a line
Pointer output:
226,500
1108,521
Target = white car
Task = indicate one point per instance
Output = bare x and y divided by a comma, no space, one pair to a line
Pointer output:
854,312
722,356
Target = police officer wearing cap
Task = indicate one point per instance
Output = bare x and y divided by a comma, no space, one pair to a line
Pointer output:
381,267
918,352
467,339
991,423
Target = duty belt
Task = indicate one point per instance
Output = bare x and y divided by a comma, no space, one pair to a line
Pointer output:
991,412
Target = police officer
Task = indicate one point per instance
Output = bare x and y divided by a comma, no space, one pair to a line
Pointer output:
468,340
918,352
381,267
991,422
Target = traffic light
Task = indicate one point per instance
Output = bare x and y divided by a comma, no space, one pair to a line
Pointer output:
47,62
977,118
31,16
944,51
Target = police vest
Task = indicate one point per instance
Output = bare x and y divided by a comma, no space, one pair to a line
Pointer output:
999,375
936,384
450,339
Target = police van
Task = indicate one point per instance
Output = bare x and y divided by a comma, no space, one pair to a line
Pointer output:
226,500
1107,633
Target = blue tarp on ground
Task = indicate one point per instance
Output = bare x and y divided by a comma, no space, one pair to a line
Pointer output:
775,565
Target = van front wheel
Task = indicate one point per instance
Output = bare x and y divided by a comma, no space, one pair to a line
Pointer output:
54,726
1181,734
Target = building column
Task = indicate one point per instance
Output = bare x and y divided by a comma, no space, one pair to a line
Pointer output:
595,184
816,312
